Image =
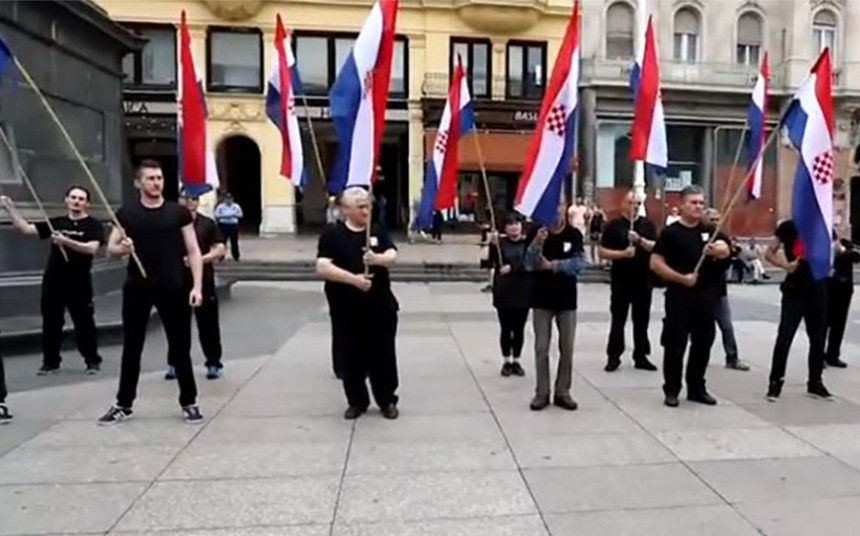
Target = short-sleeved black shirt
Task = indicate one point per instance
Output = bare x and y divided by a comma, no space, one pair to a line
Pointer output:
557,291
83,230
208,234
786,233
681,247
629,271
158,242
346,250
843,265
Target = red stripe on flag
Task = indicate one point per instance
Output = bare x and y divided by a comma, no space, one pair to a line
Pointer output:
193,140
448,181
646,98
382,75
285,92
823,87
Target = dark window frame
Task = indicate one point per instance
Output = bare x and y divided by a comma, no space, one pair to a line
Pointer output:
525,45
470,42
137,57
217,88
331,58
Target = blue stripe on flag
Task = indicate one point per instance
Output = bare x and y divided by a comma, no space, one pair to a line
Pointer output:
424,218
345,98
546,210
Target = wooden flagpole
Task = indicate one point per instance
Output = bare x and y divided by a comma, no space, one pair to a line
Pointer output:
487,193
733,170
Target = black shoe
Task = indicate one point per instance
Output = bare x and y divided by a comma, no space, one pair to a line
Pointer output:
817,390
612,365
115,415
774,389
644,364
517,369
390,412
671,401
5,416
170,373
45,370
192,415
93,369
737,364
702,397
838,363
506,369
353,412
213,372
539,402
565,402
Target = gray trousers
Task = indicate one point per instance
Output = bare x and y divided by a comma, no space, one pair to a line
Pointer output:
723,315
566,323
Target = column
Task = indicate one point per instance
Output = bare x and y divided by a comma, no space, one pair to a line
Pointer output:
499,57
418,70
588,131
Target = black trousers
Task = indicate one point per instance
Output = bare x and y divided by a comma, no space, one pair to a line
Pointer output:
810,305
339,342
175,313
231,235
76,295
624,297
370,353
209,329
689,318
838,303
3,392
512,321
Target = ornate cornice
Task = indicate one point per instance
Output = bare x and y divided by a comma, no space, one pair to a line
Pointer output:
234,10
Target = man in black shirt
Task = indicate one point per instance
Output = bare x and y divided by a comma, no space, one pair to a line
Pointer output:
5,415
691,296
161,234
67,283
840,289
627,242
362,304
557,255
803,298
212,250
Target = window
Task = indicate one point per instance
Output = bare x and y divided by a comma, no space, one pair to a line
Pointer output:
824,30
619,31
686,35
155,65
321,57
235,60
749,39
475,55
526,68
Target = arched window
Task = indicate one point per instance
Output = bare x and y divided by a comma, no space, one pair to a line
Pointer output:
619,31
687,31
824,30
749,39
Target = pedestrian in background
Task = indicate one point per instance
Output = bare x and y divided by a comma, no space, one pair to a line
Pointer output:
5,415
228,214
840,289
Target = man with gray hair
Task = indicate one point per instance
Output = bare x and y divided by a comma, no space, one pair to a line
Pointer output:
362,306
691,296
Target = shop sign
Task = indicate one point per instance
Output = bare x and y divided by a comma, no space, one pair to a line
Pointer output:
526,116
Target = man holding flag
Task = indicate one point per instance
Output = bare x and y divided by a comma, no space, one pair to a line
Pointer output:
806,238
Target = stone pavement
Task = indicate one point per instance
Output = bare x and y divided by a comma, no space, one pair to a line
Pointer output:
467,457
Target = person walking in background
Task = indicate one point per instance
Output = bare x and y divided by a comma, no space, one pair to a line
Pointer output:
674,215
751,257
512,292
436,229
596,224
228,214
332,210
840,289
5,415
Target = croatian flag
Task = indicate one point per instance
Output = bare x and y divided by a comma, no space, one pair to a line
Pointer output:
809,124
359,98
757,119
440,184
284,84
554,140
198,172
649,127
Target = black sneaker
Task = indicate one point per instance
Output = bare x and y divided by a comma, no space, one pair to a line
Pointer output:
837,363
517,369
353,412
93,369
644,364
213,372
737,364
539,402
390,412
817,390
565,402
170,373
192,415
506,369
672,401
5,416
774,389
702,398
612,365
115,415
47,371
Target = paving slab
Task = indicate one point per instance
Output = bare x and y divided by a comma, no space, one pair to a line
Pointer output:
718,520
529,525
586,450
834,517
734,444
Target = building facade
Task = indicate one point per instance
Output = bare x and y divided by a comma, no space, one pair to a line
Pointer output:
709,52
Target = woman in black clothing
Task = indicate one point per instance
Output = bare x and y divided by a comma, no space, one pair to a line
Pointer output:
512,292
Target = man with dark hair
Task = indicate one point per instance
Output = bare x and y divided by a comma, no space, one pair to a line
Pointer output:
840,289
67,283
161,235
691,296
228,214
627,241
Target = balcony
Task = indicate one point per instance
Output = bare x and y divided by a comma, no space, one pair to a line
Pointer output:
500,16
437,84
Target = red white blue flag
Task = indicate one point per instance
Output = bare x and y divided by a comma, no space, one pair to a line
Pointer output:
440,183
359,98
649,126
553,143
283,86
809,125
757,120
198,173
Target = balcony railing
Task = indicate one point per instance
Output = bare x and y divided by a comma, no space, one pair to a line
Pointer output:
436,85
679,74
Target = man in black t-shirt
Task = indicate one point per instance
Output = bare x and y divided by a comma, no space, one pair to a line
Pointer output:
691,296
803,298
556,255
362,306
67,283
627,242
161,235
840,289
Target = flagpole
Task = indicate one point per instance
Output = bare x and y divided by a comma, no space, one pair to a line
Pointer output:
313,138
30,187
733,170
639,165
487,193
